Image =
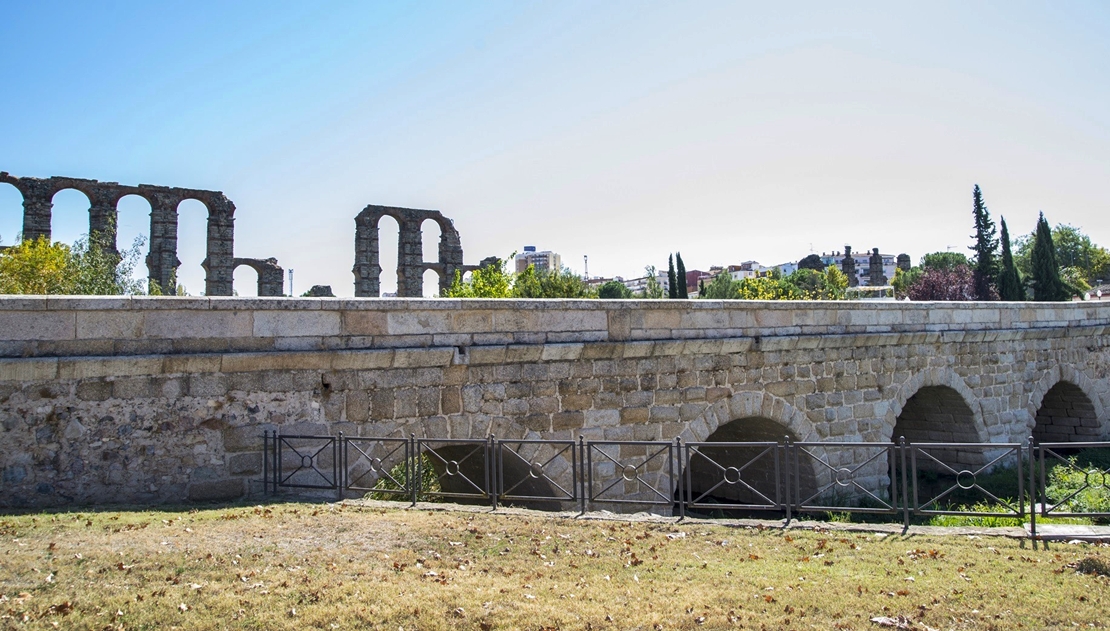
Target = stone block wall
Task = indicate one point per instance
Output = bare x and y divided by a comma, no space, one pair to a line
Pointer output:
150,400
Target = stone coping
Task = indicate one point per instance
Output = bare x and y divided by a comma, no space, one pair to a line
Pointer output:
67,326
50,368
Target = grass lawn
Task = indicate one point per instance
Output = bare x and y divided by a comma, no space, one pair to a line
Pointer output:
346,566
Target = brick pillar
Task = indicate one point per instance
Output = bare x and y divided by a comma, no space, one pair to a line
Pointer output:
37,204
103,219
410,255
450,255
219,264
161,261
367,270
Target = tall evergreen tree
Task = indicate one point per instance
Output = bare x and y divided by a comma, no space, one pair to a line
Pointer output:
986,244
1047,285
1009,280
672,289
680,273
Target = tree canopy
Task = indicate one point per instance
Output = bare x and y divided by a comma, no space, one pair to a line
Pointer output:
613,289
812,262
37,266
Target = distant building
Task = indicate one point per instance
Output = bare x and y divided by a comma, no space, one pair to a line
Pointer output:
545,261
637,285
863,264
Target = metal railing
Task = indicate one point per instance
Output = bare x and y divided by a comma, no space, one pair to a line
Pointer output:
706,479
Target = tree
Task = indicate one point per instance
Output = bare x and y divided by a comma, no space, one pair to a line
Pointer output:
559,283
767,288
37,266
1047,285
652,289
680,274
672,280
904,279
1009,280
720,287
986,267
613,290
940,284
489,281
812,262
1073,249
944,261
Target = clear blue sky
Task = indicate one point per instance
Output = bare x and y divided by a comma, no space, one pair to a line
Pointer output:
728,131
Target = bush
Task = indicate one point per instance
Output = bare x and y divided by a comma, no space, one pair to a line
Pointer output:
429,482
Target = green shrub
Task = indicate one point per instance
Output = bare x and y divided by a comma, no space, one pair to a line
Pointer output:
429,482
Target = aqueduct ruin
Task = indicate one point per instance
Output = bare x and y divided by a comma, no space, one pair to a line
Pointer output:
162,262
136,400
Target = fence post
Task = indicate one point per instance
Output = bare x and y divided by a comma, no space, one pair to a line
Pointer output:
339,467
277,461
679,478
1033,492
905,485
265,462
493,468
582,475
415,464
786,478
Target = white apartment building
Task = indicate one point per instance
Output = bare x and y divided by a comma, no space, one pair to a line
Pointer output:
545,261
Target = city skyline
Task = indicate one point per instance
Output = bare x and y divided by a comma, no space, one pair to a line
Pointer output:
623,132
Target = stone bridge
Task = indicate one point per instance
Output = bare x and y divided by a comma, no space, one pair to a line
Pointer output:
165,399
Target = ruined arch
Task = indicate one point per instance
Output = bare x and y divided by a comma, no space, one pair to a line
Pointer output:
747,417
932,394
1063,408
103,198
11,214
271,278
70,207
410,263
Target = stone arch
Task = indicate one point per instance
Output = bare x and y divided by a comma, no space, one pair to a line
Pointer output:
68,215
938,384
410,259
271,278
1063,407
11,214
747,417
192,219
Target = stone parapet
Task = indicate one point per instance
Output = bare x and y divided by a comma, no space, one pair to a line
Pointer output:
91,326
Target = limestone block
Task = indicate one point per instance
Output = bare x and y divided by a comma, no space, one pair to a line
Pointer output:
561,352
109,324
197,324
296,323
420,357
38,325
28,369
87,368
361,360
365,323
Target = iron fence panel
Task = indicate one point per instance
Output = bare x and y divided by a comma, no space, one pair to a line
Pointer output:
730,473
967,464
848,485
305,462
462,467
381,465
626,463
520,484
1084,485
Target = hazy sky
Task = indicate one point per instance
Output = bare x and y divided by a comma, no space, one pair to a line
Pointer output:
623,131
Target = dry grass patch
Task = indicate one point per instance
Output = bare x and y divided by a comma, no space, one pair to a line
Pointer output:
296,566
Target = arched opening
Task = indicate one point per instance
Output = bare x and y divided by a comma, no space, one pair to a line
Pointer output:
192,245
133,231
431,283
1066,415
11,214
389,231
460,470
430,234
747,478
939,414
69,218
936,414
245,280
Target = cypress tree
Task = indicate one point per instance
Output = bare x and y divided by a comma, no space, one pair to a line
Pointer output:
672,289
680,274
1009,280
986,265
1047,285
